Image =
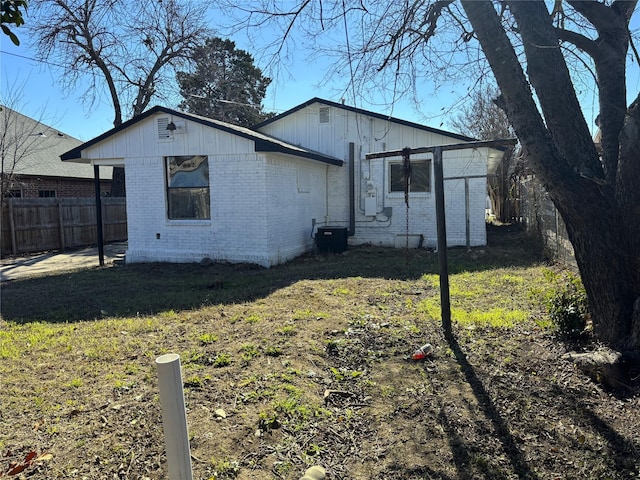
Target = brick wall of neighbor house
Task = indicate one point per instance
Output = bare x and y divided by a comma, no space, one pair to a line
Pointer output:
30,187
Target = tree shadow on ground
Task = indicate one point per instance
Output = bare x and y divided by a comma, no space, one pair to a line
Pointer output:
461,456
623,451
147,289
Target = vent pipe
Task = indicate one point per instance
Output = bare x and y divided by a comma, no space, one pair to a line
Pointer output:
352,189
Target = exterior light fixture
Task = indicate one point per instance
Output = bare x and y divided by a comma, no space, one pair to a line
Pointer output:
171,127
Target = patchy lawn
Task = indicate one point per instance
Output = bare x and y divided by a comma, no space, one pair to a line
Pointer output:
307,363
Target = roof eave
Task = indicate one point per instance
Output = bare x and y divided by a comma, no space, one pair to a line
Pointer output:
265,146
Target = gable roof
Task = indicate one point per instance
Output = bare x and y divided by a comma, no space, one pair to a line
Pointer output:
263,142
368,113
38,147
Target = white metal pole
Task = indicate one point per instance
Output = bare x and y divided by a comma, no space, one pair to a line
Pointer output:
174,417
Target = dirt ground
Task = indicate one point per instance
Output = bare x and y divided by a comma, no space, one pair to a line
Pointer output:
317,371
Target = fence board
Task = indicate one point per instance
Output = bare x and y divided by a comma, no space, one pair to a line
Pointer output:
38,224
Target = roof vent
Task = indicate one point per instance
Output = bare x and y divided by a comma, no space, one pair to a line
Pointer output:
163,131
325,114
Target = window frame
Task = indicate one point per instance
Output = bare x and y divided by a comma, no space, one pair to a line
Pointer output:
421,161
169,190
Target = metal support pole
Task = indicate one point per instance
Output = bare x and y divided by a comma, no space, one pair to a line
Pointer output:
96,185
443,268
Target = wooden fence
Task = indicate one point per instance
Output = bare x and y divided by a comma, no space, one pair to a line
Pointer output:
39,224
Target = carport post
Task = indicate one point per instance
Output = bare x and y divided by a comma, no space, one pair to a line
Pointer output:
96,184
445,305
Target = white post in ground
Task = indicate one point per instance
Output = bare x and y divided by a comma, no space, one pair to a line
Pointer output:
174,417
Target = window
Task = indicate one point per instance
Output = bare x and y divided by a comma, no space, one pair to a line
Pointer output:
188,188
47,193
420,180
14,193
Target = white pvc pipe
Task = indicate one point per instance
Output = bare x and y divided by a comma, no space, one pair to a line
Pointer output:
174,417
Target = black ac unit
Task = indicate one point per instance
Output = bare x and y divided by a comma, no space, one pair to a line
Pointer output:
331,239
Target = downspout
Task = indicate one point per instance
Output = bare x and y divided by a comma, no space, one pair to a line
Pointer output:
352,190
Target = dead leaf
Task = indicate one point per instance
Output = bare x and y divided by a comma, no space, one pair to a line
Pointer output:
21,467
30,456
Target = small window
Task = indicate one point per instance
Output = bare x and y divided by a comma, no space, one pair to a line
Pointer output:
47,193
14,193
325,114
420,180
188,188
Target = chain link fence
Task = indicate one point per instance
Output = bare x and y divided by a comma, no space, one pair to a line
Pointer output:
536,212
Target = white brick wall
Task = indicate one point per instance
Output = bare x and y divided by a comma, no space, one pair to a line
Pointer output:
235,232
374,135
298,195
249,222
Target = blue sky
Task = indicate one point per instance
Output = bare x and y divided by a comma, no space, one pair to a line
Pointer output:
304,79
300,80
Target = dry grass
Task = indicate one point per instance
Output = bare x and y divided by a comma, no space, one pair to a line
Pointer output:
265,346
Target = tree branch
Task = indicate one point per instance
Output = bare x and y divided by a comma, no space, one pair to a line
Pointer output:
598,14
580,41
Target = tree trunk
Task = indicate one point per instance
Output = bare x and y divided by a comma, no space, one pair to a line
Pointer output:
118,188
602,251
118,183
562,154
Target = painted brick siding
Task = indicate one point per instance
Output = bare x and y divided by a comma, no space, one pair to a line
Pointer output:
370,134
235,232
297,197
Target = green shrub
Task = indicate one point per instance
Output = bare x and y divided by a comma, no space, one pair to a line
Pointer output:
568,308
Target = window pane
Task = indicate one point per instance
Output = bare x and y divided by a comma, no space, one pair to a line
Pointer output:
420,177
397,177
188,171
188,187
189,203
420,180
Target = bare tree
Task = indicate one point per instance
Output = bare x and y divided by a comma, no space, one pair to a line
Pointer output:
128,50
481,118
525,47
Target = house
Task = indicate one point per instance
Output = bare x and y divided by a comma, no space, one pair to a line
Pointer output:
200,188
31,166
380,215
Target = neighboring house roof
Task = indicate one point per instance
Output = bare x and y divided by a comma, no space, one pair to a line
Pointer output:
36,148
263,143
364,112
